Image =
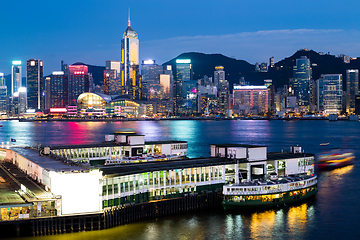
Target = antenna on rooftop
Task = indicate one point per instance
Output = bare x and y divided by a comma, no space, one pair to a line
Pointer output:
129,18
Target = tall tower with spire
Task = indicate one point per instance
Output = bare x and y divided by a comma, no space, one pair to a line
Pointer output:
130,78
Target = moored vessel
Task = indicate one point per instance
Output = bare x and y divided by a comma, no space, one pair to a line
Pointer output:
270,180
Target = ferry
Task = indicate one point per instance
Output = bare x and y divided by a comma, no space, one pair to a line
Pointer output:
335,158
269,180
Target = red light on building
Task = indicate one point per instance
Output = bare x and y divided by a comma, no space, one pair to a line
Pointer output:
58,110
78,69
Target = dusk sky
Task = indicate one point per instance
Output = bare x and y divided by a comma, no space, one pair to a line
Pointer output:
90,31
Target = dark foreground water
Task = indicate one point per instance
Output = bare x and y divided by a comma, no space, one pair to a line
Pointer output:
334,214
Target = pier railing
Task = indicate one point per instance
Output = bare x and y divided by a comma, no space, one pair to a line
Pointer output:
270,188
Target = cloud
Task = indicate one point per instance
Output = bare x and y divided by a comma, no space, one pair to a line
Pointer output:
256,46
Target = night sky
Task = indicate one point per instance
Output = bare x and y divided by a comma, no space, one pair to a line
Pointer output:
90,31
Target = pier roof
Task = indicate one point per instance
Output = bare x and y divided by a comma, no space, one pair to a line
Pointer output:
110,144
134,168
287,155
45,161
237,145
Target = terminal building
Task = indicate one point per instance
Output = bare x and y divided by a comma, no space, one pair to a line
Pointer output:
129,170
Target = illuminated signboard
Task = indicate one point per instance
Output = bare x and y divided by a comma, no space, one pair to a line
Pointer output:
30,111
250,87
79,72
16,94
183,61
57,73
58,110
149,61
16,62
219,67
1,74
32,63
22,89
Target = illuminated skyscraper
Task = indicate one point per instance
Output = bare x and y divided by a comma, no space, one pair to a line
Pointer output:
35,85
130,79
16,76
219,75
301,81
3,95
78,82
112,74
183,75
150,76
59,89
272,62
352,87
332,93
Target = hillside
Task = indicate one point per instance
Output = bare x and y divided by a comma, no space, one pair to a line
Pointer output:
204,64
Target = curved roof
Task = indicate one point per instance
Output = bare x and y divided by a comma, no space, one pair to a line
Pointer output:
121,97
106,98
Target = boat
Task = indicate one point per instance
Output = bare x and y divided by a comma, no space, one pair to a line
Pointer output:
267,193
270,181
335,158
59,129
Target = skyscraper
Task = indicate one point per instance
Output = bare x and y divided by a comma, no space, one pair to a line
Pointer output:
332,93
3,95
150,76
301,81
16,76
114,72
352,87
79,82
59,89
219,75
35,85
183,74
130,79
272,62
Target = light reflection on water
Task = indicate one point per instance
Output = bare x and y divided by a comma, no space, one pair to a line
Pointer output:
333,214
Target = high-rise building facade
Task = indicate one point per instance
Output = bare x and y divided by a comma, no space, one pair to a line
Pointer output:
59,89
113,73
352,88
301,81
272,62
35,84
251,97
3,95
219,75
332,93
150,76
130,78
16,75
183,75
78,82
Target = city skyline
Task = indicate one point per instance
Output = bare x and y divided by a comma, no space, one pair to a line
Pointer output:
252,31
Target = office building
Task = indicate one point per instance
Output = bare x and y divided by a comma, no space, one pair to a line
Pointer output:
130,78
332,93
219,75
59,89
22,100
35,84
301,81
47,93
264,67
64,67
247,98
272,62
3,95
16,75
112,75
150,76
78,82
183,75
352,88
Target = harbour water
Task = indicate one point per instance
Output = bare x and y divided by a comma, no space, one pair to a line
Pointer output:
333,214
